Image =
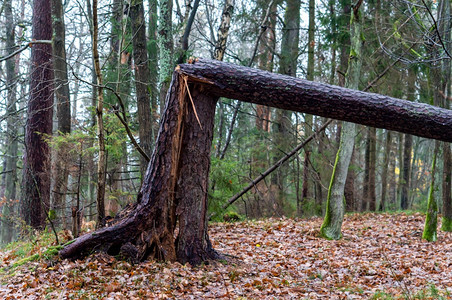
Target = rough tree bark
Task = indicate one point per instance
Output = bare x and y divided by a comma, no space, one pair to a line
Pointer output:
36,171
142,78
10,177
407,147
92,174
223,30
384,177
371,193
170,178
446,7
308,118
170,194
166,47
153,65
61,169
266,49
101,164
431,218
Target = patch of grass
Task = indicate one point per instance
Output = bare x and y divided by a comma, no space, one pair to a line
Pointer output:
382,296
432,292
232,217
22,252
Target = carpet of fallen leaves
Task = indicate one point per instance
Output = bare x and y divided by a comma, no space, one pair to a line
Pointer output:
380,255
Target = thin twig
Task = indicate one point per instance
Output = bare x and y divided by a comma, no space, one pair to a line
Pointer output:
132,139
228,294
121,119
436,28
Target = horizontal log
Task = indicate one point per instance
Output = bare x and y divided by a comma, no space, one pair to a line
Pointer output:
261,87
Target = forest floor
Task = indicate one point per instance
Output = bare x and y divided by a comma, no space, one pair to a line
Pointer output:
381,256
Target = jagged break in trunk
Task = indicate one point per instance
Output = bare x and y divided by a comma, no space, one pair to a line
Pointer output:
174,191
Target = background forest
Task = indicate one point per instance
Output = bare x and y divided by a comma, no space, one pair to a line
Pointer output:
81,100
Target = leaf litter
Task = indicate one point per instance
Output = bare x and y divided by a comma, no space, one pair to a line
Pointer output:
379,256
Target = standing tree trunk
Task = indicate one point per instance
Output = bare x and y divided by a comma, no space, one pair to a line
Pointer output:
218,54
392,188
407,147
92,173
384,173
101,164
193,244
371,196
220,49
153,67
223,30
119,75
35,200
447,209
365,196
400,166
174,190
61,168
167,198
343,38
190,14
431,218
10,176
351,203
267,48
287,66
332,223
445,25
308,118
165,42
140,57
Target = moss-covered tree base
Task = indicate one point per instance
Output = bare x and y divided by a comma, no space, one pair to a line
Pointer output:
431,218
446,224
429,233
330,232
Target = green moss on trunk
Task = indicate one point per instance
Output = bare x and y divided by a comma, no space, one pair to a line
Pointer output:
326,230
447,224
431,219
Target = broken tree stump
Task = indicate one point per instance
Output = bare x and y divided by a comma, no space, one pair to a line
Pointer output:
174,190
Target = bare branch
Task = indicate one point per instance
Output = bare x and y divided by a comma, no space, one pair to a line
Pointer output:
436,29
24,47
122,118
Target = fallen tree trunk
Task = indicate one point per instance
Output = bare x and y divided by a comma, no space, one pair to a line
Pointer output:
174,191
285,92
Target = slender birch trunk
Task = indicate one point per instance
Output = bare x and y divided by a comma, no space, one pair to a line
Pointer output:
332,223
